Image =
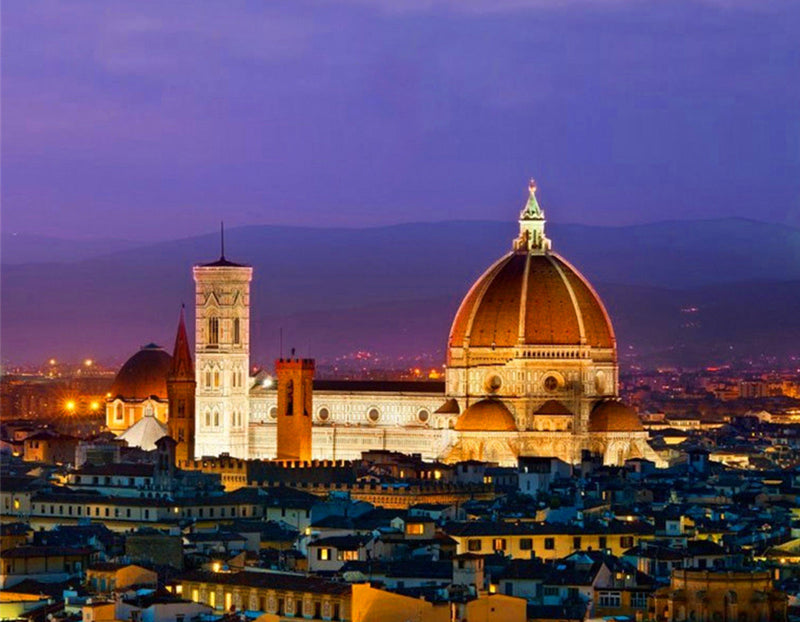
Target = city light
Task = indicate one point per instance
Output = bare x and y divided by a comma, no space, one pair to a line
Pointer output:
70,405
88,362
52,361
95,405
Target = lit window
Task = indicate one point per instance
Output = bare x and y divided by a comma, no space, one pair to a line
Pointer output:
348,556
415,529
499,544
323,554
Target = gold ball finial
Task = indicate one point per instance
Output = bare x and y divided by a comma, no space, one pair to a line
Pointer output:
532,185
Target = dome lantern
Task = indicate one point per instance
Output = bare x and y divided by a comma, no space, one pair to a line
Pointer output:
531,226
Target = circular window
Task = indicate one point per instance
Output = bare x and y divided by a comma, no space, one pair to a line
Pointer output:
423,415
551,383
373,415
323,414
493,383
273,412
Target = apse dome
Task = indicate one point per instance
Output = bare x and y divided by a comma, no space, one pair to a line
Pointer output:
614,416
143,375
487,415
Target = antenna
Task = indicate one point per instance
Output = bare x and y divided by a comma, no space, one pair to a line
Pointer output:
222,239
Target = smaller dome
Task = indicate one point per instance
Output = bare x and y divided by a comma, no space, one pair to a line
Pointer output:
486,416
553,407
143,375
614,416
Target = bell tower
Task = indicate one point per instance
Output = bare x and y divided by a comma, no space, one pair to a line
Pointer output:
222,356
295,388
181,385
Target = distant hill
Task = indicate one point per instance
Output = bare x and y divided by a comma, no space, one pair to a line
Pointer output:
17,248
394,289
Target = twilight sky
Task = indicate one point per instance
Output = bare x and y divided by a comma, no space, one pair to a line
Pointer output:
156,119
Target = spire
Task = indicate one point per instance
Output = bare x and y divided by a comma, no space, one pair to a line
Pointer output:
532,209
531,225
182,366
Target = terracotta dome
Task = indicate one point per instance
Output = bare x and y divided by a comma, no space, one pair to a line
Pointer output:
143,375
553,407
614,416
486,416
531,299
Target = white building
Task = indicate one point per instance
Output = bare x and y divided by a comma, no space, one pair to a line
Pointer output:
531,370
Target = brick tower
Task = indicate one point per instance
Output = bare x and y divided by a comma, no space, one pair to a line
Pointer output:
295,379
181,386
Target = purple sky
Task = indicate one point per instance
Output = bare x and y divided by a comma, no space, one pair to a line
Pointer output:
156,119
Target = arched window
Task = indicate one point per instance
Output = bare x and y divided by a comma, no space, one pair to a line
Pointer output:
216,378
237,338
216,419
213,331
119,412
208,419
208,377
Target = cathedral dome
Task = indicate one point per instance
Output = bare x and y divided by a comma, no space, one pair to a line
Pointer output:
487,415
614,416
531,297
143,375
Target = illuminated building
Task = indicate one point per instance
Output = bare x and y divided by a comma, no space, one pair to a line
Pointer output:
531,371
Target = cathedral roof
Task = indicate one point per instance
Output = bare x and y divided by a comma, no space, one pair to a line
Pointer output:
143,375
532,297
489,415
614,416
144,433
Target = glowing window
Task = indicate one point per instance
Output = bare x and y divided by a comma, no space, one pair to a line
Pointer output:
415,529
348,556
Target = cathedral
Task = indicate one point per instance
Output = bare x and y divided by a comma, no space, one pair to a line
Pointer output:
531,371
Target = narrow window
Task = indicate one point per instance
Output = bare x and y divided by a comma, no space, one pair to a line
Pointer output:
236,333
213,331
